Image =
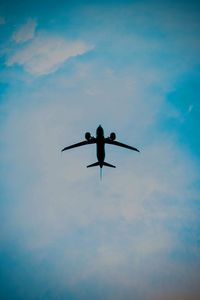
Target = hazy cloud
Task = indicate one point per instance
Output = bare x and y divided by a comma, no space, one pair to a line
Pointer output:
46,53
112,234
25,32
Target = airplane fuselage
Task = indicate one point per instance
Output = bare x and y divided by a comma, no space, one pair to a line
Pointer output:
100,146
100,150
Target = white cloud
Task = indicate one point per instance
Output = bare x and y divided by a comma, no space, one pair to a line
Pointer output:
2,20
46,53
25,32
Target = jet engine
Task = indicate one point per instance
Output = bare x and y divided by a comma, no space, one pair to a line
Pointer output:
112,136
87,136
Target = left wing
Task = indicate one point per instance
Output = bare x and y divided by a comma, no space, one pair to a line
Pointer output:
109,141
91,141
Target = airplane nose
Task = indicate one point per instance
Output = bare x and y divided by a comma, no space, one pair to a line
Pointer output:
99,131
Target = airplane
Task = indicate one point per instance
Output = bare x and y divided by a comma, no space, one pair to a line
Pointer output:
100,142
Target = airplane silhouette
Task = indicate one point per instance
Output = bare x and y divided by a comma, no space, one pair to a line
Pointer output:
100,142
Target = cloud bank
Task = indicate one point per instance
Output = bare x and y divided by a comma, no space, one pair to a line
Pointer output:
115,238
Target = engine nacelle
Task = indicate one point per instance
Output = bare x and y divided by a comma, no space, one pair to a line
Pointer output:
112,136
87,136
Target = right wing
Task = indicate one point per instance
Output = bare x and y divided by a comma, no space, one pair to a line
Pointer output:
109,141
91,141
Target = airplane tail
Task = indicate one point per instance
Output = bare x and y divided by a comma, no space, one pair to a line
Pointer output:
98,164
104,164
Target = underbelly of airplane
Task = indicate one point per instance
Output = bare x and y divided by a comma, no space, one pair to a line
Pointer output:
100,152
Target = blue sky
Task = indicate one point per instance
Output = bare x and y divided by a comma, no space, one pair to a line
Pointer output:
132,66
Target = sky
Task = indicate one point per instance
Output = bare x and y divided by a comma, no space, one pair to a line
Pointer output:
66,67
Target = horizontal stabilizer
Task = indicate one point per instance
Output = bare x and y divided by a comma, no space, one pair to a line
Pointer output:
108,165
93,165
